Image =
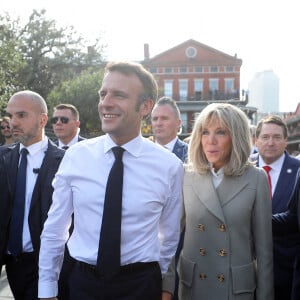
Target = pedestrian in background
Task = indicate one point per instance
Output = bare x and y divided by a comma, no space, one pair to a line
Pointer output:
28,168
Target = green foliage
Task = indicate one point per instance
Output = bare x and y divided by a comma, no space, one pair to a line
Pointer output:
40,56
82,92
11,62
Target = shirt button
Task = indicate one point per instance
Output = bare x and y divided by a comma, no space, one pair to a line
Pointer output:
222,227
221,278
222,252
202,251
201,227
202,276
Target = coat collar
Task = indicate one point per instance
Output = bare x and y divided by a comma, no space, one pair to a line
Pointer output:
215,199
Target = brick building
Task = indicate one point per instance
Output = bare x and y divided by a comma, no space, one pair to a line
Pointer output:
292,121
194,75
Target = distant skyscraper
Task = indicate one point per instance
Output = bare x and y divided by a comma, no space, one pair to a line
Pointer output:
264,92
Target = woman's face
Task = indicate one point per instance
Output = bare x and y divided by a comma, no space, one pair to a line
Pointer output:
216,143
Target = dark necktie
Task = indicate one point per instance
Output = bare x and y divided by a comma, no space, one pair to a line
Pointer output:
65,147
16,226
108,262
268,169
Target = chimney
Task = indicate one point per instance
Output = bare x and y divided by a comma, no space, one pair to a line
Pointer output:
146,51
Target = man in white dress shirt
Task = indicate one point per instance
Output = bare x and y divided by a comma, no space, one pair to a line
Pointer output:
151,199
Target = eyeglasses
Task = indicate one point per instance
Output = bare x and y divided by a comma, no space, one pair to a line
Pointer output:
6,126
64,120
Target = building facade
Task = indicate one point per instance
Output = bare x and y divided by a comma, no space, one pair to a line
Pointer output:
264,92
292,121
194,75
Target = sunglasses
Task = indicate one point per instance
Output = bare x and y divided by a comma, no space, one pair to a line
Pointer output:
64,120
6,126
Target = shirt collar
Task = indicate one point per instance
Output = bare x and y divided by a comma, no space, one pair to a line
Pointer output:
39,146
170,145
134,146
72,142
276,165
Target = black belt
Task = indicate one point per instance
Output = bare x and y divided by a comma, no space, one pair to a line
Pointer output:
126,269
20,257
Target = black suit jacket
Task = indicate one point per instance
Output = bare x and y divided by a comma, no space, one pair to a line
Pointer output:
41,197
286,247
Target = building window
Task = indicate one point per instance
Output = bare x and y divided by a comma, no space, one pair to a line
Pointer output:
229,85
168,88
230,92
229,69
183,89
168,70
153,70
213,84
213,89
198,69
214,69
184,122
183,70
198,89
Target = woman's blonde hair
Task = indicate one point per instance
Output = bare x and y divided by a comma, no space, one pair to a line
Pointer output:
236,122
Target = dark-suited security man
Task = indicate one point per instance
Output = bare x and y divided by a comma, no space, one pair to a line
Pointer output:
271,142
25,199
166,124
288,223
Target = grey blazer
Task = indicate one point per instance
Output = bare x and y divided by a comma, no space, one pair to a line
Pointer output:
227,251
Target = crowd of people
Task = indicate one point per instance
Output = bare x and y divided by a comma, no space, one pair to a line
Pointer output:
125,217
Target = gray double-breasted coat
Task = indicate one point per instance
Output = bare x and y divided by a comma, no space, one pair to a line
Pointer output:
227,251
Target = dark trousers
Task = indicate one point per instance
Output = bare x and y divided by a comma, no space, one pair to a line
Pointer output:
63,283
283,276
177,255
296,280
131,284
22,275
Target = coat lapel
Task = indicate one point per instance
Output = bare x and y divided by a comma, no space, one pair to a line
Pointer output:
11,161
230,187
48,169
208,195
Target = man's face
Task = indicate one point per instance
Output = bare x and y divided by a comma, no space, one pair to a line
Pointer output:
27,120
119,110
66,125
271,142
165,124
5,129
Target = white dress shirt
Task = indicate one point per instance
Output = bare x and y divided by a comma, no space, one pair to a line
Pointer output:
171,144
36,154
151,207
71,143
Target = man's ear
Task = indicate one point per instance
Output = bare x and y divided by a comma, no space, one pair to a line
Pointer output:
146,107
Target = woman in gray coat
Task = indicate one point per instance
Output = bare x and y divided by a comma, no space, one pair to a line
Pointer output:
227,251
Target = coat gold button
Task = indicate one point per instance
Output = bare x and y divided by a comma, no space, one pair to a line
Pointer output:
221,278
202,276
202,251
201,227
222,252
222,227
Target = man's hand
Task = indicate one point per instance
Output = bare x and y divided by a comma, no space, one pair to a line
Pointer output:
166,296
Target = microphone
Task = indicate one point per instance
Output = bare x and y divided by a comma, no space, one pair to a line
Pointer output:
36,170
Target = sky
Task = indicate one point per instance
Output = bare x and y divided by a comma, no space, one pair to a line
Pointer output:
263,33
